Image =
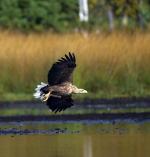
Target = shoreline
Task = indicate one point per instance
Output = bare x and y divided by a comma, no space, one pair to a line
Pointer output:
141,102
111,117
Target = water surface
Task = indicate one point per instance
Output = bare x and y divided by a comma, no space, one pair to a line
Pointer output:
75,139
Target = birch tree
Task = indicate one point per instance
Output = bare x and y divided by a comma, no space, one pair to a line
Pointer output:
83,10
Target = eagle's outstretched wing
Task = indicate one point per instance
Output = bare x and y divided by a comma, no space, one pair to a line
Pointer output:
62,70
59,104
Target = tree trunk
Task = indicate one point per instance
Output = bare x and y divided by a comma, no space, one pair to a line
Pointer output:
110,18
83,10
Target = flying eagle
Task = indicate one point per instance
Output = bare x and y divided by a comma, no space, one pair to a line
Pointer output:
58,92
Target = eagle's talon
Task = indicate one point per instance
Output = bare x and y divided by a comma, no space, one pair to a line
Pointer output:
45,97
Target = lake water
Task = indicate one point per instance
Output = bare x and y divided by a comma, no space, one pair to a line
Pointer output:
75,139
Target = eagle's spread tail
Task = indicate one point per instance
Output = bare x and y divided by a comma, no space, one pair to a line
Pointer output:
39,93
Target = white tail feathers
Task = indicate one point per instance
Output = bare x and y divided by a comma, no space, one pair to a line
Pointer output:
38,93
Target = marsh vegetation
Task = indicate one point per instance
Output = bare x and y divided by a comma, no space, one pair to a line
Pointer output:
109,65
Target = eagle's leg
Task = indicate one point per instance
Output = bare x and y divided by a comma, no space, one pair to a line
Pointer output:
45,97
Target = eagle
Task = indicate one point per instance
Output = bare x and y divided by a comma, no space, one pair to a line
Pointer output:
57,93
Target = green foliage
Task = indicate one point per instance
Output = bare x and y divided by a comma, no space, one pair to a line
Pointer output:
137,12
60,15
38,15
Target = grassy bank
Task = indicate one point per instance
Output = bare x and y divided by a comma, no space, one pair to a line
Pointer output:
113,65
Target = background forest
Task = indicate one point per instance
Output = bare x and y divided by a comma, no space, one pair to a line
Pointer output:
62,16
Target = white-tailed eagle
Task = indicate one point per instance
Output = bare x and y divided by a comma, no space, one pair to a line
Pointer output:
58,92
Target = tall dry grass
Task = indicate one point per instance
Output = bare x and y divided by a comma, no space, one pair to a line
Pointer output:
117,64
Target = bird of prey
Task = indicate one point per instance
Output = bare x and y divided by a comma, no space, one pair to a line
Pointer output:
58,92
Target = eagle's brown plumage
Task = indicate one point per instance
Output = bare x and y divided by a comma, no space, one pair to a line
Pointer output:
58,92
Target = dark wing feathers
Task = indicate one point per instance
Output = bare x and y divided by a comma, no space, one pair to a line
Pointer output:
59,104
72,57
62,70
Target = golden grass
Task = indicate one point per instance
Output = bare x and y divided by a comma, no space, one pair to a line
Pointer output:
114,64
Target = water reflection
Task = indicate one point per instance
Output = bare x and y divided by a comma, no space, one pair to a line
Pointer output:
87,147
96,140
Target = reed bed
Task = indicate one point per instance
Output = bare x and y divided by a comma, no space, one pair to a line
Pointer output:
109,65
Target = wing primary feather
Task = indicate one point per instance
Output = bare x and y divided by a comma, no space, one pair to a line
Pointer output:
74,58
71,57
58,62
61,60
56,110
67,58
64,59
60,109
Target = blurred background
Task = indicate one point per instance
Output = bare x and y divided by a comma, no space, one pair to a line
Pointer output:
110,40
71,15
